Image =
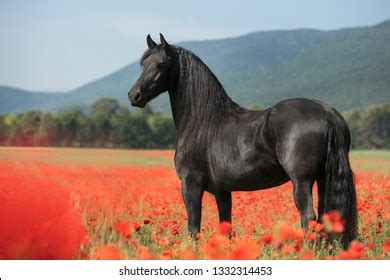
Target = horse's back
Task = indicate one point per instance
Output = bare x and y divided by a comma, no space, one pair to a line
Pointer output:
301,109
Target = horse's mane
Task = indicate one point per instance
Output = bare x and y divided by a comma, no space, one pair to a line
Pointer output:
199,99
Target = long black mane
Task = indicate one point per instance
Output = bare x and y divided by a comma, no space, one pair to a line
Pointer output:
198,99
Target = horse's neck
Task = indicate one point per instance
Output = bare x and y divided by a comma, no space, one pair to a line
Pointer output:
198,99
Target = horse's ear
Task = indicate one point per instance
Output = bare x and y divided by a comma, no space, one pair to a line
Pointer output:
150,42
163,42
167,47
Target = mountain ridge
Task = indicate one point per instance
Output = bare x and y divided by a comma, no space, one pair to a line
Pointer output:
347,68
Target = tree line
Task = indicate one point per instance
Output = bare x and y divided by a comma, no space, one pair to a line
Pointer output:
104,124
107,124
370,128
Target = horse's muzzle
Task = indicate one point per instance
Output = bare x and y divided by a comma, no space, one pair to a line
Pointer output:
136,98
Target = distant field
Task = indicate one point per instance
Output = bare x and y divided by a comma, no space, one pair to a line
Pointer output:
87,156
378,161
69,203
364,160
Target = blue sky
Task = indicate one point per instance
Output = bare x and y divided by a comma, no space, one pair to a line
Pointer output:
59,45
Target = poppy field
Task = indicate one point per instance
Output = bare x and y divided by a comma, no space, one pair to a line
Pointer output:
63,203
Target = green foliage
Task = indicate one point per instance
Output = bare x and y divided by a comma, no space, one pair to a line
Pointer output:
163,131
3,129
370,128
375,127
47,132
107,124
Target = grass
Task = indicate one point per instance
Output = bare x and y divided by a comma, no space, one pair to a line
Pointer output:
372,160
87,156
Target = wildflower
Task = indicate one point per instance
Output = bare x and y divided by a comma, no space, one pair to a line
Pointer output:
126,229
143,253
356,249
177,242
163,242
386,246
310,236
371,246
306,255
267,238
153,236
245,250
297,246
199,235
312,224
217,240
166,255
319,227
333,222
187,255
323,235
287,250
107,252
225,228
287,232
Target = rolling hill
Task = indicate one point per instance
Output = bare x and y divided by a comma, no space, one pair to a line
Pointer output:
347,68
14,100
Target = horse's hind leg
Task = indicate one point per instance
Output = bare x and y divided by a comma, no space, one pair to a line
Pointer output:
301,158
304,201
224,204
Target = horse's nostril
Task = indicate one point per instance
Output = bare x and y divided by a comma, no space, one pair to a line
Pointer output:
137,96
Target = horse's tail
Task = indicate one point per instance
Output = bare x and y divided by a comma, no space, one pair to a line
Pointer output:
340,194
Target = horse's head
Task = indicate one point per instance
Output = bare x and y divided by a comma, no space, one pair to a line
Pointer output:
158,72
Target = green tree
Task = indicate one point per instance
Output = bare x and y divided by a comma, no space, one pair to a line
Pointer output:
353,119
69,126
164,132
3,130
86,133
136,133
48,131
104,111
375,127
29,125
106,104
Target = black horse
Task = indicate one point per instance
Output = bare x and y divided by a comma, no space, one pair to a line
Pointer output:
222,147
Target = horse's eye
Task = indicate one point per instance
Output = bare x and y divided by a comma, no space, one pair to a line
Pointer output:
161,65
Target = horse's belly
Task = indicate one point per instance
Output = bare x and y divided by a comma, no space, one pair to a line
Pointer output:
239,161
248,178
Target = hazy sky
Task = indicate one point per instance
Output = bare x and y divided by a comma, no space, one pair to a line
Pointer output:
59,45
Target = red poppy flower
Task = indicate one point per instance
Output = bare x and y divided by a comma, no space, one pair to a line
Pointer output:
107,252
386,246
267,238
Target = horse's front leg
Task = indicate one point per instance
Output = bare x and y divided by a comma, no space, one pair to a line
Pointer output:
224,204
192,193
